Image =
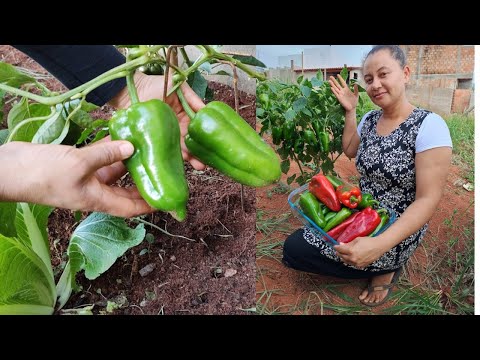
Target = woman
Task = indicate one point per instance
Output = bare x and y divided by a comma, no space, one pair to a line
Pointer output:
403,154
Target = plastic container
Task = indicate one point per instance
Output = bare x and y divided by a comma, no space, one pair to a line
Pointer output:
297,211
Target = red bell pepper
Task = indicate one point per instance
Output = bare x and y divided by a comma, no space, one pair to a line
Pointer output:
337,230
323,190
349,196
364,223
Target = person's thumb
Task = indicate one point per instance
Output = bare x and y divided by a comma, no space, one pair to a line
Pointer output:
106,153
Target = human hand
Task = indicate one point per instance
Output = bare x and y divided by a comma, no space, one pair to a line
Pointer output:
342,92
152,87
66,177
360,252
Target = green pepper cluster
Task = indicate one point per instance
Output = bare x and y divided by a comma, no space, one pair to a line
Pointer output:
217,136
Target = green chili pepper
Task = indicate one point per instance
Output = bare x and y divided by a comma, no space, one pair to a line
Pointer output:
341,216
322,136
276,135
288,129
153,69
324,208
298,145
156,165
367,200
311,207
329,215
325,141
310,137
219,137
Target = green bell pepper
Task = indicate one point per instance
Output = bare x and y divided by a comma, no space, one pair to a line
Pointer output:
367,200
219,137
156,165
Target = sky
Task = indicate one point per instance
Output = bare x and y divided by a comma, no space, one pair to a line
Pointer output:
346,54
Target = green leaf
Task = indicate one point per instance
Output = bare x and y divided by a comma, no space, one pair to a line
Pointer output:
8,212
206,67
31,223
316,82
285,166
100,135
3,136
291,179
11,76
81,117
299,104
300,79
249,60
198,83
19,115
26,285
344,73
51,130
98,241
290,114
306,91
307,112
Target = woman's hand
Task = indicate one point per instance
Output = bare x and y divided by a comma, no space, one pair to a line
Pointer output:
342,92
151,87
360,252
67,177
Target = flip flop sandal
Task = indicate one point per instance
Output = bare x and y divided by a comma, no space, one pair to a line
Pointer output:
388,287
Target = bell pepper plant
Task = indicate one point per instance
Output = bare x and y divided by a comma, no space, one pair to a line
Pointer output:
300,110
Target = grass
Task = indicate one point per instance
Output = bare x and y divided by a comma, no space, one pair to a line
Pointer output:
462,132
267,223
280,188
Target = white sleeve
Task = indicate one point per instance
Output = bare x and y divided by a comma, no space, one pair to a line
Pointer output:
360,125
433,133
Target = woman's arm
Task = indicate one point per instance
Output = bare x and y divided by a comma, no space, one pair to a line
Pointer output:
431,175
349,101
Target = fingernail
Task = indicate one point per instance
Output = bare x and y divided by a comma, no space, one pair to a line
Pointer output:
126,149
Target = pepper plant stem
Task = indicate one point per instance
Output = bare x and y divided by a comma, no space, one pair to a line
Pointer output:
184,102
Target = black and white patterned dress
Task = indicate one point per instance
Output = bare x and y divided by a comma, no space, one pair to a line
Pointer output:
386,165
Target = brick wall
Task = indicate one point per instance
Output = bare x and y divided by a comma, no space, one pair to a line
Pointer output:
435,67
461,100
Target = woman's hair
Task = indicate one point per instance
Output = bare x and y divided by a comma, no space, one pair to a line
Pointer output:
395,51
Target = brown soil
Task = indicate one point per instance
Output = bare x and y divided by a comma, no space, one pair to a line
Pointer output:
298,292
214,274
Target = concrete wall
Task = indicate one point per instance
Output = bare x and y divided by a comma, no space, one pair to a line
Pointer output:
245,83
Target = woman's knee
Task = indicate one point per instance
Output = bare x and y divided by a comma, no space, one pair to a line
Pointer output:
292,244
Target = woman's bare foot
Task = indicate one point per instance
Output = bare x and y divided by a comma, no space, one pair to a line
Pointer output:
379,293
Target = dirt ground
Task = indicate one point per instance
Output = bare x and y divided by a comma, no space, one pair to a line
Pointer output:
214,274
284,290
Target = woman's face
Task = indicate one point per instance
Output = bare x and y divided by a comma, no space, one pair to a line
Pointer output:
385,79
